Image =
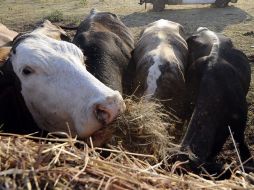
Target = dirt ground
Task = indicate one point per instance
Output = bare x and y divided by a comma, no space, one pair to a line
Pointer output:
235,21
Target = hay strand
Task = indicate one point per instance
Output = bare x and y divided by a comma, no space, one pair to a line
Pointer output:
28,164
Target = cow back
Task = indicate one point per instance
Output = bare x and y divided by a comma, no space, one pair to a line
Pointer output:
159,62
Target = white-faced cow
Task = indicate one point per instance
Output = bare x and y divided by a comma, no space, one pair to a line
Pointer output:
217,80
158,64
45,83
107,44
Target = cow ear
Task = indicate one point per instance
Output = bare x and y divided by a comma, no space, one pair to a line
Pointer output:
191,38
194,41
4,54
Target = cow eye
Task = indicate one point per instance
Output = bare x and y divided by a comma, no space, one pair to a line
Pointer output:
27,71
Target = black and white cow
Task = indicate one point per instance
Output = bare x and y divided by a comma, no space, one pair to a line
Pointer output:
45,83
158,64
107,44
217,80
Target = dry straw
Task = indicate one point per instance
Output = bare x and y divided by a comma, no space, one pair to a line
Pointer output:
143,129
28,162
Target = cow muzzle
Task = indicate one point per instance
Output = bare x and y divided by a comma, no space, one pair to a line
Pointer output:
107,110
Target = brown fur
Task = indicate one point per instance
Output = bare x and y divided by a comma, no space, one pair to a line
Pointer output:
4,54
52,31
6,35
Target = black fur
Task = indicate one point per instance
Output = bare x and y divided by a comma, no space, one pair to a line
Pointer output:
14,115
106,43
217,87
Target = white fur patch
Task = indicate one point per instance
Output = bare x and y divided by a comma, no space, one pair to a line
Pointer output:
216,44
153,75
162,23
201,29
162,36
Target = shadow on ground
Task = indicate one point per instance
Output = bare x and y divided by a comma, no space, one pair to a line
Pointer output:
214,18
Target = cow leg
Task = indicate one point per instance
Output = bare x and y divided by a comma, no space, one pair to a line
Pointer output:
238,125
221,137
243,147
244,151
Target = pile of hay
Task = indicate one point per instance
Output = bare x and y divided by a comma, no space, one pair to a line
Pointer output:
143,129
37,163
139,144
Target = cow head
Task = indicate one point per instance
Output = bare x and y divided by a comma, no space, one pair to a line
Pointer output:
201,43
105,15
56,87
110,21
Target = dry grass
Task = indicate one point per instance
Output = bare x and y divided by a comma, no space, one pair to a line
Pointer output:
143,129
36,163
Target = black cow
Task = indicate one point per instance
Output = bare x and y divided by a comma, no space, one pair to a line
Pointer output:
218,79
107,43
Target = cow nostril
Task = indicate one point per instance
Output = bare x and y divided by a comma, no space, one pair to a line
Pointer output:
102,115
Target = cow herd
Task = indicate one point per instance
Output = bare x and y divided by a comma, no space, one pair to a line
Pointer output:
48,83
